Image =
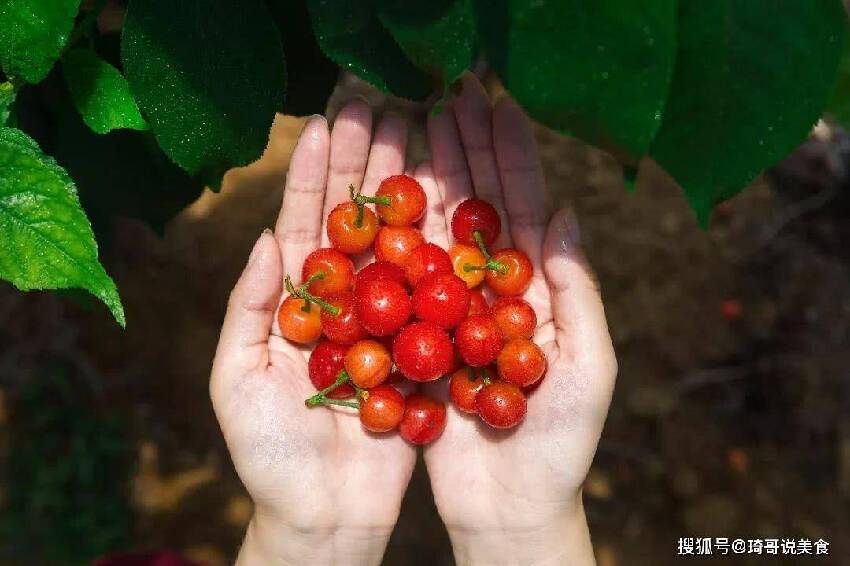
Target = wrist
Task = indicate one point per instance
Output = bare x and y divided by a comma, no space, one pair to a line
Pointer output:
269,541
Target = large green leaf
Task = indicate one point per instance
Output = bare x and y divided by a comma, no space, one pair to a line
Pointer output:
751,78
209,76
100,93
438,36
47,239
33,34
350,33
839,101
597,70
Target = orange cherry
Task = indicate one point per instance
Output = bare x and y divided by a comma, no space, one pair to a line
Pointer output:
297,324
463,255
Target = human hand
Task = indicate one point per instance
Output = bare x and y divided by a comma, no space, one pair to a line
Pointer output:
514,497
325,491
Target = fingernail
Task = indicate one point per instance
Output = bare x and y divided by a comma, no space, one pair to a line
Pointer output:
569,231
255,252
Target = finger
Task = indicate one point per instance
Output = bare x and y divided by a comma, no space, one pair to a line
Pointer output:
474,119
243,344
526,198
299,224
350,140
449,162
386,158
433,223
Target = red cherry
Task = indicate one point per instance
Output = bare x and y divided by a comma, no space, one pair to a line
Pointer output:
441,298
515,317
298,325
478,340
423,351
381,408
343,327
464,386
337,268
501,405
476,215
424,419
380,270
425,259
517,275
407,200
394,244
343,230
326,361
368,364
382,306
477,303
521,362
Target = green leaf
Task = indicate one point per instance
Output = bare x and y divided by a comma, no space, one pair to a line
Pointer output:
47,240
438,36
751,78
33,34
350,33
597,70
839,101
100,93
209,76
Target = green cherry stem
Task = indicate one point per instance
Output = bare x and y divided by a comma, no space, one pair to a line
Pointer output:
349,404
321,398
361,200
302,293
491,265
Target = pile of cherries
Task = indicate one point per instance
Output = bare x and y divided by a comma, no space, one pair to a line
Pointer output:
370,342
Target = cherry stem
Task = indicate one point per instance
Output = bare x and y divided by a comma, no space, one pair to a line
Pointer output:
321,398
350,404
361,200
492,264
302,293
475,373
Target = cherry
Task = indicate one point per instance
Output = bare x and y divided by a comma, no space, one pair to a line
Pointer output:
477,303
441,298
515,317
299,321
476,215
382,306
464,386
328,272
423,351
478,340
381,408
324,366
406,200
521,362
424,419
516,276
463,255
501,405
394,243
425,259
368,364
380,270
352,229
343,327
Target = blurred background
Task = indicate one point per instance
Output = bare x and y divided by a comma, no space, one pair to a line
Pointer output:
731,415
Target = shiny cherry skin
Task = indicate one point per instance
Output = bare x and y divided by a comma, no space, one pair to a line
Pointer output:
407,200
342,328
344,233
424,419
297,325
477,303
441,298
515,317
337,267
382,306
326,361
518,276
381,408
462,255
425,259
394,243
476,215
521,362
501,405
478,340
423,351
464,386
380,270
368,364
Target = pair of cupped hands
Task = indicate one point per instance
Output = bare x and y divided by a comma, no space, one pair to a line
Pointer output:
328,492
